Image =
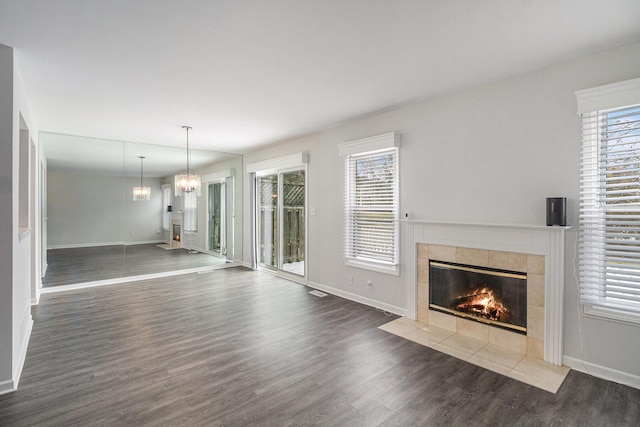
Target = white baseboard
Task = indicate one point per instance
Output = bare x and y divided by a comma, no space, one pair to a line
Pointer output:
602,372
400,311
118,280
8,386
23,353
85,245
145,242
93,245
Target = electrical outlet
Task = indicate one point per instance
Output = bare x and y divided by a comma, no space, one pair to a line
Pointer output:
350,280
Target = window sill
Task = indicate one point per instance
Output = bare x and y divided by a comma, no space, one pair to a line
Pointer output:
23,232
380,268
614,314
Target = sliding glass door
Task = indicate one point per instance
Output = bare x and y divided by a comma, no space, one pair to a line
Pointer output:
281,221
216,220
268,221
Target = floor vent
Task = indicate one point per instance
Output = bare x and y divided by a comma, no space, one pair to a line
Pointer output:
318,294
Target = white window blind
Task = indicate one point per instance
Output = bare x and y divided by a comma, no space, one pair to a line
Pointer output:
190,212
166,202
371,207
609,241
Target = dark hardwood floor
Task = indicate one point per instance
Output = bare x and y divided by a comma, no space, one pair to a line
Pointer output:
79,265
238,347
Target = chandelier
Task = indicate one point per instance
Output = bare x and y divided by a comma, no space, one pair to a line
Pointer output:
141,193
187,183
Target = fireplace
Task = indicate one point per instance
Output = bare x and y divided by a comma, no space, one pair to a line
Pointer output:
536,250
176,232
487,295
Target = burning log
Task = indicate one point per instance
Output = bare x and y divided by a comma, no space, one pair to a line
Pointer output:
481,302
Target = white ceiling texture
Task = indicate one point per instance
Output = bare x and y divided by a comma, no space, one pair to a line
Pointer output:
246,73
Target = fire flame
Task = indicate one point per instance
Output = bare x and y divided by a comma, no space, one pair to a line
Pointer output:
483,303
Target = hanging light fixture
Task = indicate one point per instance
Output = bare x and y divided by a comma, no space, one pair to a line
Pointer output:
141,193
187,183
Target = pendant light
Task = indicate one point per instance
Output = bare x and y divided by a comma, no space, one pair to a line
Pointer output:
187,183
141,193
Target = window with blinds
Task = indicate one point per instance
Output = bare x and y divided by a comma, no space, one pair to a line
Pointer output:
371,207
609,241
166,204
190,212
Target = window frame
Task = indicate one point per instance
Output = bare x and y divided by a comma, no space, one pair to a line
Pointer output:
593,105
373,146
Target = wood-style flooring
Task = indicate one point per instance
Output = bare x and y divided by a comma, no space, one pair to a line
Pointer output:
80,265
238,347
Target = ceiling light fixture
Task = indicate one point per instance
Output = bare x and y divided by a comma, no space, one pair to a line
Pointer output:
187,183
141,193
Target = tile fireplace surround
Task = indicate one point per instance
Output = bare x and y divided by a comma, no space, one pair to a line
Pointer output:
537,250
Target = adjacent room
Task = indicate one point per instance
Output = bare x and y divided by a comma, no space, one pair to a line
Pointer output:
321,212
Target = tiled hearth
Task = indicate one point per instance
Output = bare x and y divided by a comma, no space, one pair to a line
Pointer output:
539,251
487,353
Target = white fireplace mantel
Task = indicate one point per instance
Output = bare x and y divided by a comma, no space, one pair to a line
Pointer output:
526,239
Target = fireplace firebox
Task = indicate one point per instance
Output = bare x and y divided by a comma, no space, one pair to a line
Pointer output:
176,232
492,296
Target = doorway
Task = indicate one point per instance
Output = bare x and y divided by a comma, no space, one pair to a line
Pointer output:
216,235
281,221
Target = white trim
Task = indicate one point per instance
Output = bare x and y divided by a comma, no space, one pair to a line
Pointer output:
215,176
609,313
373,143
400,311
7,386
144,242
93,245
279,163
23,232
85,245
11,385
526,239
36,300
23,351
372,266
615,95
603,372
106,282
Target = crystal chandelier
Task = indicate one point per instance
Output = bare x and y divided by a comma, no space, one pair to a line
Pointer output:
187,183
141,193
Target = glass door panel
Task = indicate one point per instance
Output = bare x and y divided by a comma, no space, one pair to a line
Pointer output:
215,217
293,222
268,220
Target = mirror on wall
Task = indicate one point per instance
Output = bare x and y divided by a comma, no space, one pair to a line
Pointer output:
97,230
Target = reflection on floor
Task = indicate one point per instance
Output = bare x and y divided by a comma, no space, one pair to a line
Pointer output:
294,267
80,265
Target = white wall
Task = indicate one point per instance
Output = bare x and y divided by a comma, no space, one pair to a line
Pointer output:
15,243
86,209
489,154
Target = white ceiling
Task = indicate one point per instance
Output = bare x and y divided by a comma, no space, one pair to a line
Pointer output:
245,73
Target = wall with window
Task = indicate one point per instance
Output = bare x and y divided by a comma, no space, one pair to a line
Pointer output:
488,154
